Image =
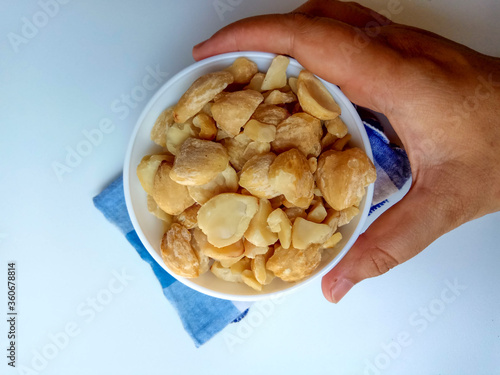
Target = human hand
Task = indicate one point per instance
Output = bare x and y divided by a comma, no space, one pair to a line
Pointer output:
442,99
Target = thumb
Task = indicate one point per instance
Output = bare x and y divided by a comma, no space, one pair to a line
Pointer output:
396,236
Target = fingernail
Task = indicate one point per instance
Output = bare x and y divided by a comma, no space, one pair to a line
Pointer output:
199,44
340,289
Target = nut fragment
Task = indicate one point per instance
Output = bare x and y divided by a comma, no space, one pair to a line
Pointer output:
162,123
225,273
242,70
259,131
248,278
234,109
201,243
146,170
295,212
236,148
290,175
279,97
306,233
336,127
270,114
292,82
258,231
255,148
224,182
347,215
208,130
332,241
258,267
177,252
226,217
252,250
279,223
200,93
177,134
256,82
189,217
170,196
294,264
199,162
159,213
314,98
276,74
343,175
255,176
301,131
317,212
340,143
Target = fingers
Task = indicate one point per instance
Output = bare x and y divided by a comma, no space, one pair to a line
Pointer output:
398,235
350,13
331,49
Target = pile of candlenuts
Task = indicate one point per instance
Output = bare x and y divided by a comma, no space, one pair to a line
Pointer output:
256,176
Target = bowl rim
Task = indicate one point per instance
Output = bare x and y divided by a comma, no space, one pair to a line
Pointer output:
186,281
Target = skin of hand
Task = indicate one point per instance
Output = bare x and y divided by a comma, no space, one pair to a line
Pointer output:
442,99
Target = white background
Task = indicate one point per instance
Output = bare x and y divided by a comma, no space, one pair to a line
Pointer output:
64,80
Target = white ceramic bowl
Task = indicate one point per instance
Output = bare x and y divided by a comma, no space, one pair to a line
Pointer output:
150,229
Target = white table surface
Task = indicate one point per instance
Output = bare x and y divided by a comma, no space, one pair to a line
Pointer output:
64,80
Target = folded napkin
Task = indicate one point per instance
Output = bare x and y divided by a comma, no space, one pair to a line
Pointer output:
204,316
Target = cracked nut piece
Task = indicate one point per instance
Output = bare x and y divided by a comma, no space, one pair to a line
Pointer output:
234,109
306,233
290,175
336,127
208,130
279,97
189,217
258,231
343,175
270,114
177,252
162,123
314,98
249,278
146,170
226,217
224,182
236,148
317,213
251,250
347,215
200,243
200,93
255,176
256,82
177,134
256,148
199,162
276,74
170,196
294,264
259,131
279,223
225,273
242,70
159,213
332,241
301,131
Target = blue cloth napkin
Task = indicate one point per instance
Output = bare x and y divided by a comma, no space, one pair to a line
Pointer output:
204,316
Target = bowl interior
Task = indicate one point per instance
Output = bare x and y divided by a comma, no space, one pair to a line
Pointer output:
150,229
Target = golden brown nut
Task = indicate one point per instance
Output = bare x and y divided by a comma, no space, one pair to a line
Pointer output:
290,175
227,263
327,141
270,114
279,97
255,176
249,278
301,131
242,70
236,148
234,109
332,241
313,164
159,213
189,217
306,233
343,175
225,273
226,217
295,212
251,250
199,162
292,82
336,127
347,215
259,131
276,74
240,266
224,182
200,93
256,148
340,143
294,264
314,98
170,196
258,231
332,219
200,243
317,212
256,82
258,267
162,123
146,170
177,134
279,223
208,130
177,252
